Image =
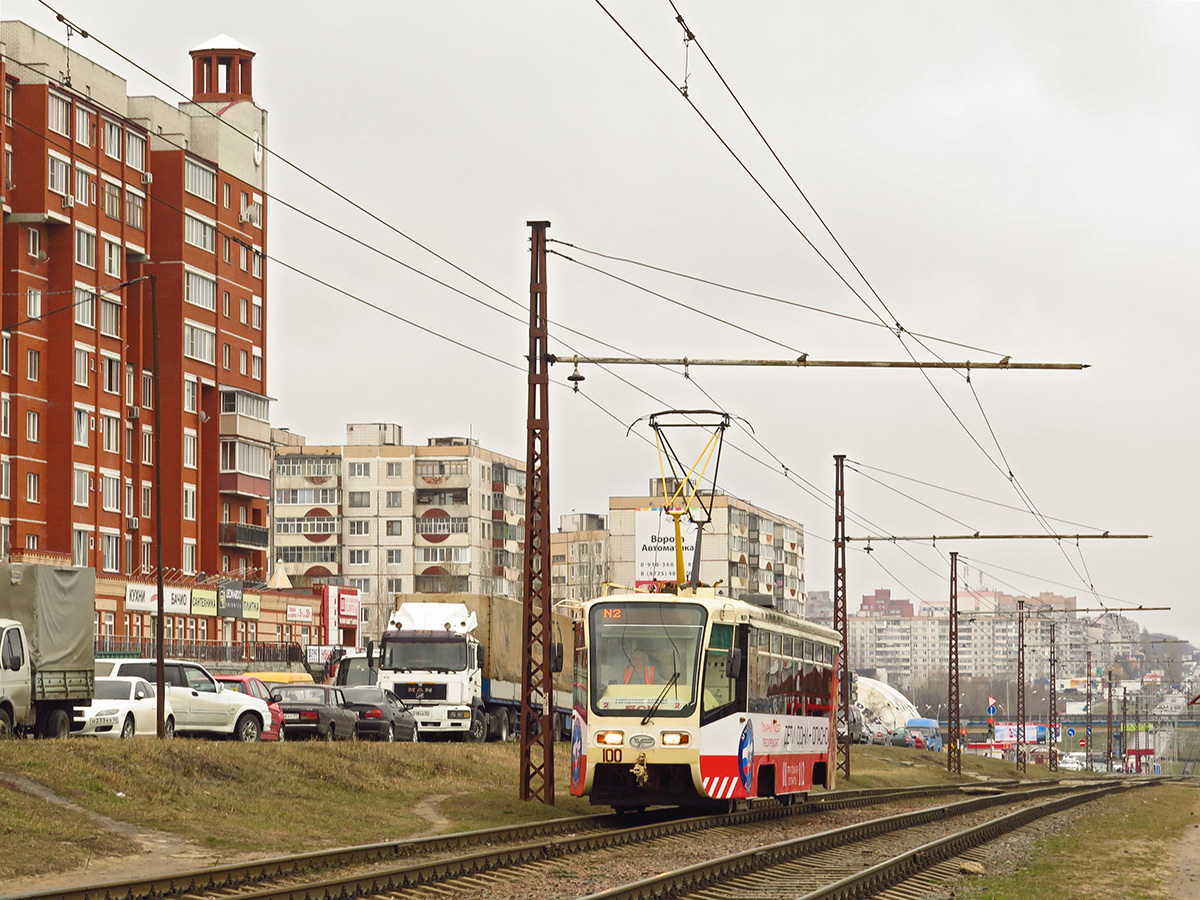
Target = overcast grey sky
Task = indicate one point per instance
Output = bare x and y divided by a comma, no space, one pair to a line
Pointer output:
1017,177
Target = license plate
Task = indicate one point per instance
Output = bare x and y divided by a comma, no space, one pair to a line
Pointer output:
100,721
291,717
421,713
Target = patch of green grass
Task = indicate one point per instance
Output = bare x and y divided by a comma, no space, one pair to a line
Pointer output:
1115,851
50,837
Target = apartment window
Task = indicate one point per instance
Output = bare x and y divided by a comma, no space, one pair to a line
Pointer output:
112,259
79,547
393,557
191,395
394,469
242,252
395,527
395,585
200,181
244,309
256,367
256,312
5,485
111,497
225,252
189,556
136,151
199,233
60,174
147,500
35,242
83,126
5,413
111,370
33,303
135,211
225,355
395,499
360,557
111,430
247,458
81,427
363,584
360,470
83,188
83,366
243,362
200,290
82,487
112,200
58,116
148,447
32,483
358,499
146,556
226,303
111,544
189,502
85,248
85,303
147,391
360,527
189,450
199,343
110,321
33,365
256,264
112,139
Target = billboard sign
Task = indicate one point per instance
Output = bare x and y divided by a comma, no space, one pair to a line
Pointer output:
654,545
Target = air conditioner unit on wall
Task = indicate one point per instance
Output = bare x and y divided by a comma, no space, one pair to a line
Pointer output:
147,177
132,523
133,412
68,202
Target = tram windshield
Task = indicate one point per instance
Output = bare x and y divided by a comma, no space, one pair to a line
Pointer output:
645,654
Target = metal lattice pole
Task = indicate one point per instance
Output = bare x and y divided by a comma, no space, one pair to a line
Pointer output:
1108,754
953,721
1087,734
537,685
840,621
1125,727
1052,726
1021,767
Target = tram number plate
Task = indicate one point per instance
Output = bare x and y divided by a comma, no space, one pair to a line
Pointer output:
610,754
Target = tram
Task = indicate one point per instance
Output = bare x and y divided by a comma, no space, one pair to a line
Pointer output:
687,697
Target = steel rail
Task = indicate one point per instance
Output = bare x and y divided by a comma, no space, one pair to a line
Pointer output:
247,874
712,872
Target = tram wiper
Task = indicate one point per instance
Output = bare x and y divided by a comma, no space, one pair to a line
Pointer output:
658,700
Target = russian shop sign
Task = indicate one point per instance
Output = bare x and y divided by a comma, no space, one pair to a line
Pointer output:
229,599
204,602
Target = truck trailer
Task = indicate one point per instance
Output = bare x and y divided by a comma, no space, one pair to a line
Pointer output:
47,647
457,664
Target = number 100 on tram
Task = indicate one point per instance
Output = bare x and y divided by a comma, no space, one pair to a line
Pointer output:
697,699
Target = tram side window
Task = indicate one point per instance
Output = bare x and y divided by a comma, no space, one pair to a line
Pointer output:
719,691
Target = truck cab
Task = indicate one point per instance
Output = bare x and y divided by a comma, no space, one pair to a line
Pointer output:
439,674
16,679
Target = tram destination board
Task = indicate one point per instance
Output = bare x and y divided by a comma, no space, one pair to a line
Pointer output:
648,612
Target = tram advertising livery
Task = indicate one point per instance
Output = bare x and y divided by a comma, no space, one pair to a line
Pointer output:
697,699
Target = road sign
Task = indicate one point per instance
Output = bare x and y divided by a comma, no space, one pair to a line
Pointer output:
1089,729
991,710
1070,732
1083,742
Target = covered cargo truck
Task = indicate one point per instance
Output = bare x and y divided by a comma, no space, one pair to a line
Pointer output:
457,663
47,647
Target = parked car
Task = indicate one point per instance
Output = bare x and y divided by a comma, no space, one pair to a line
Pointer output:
316,711
925,734
200,704
122,707
248,684
382,716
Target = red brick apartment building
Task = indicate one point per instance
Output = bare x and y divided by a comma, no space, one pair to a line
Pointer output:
112,203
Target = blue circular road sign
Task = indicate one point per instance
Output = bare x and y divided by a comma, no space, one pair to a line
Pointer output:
991,710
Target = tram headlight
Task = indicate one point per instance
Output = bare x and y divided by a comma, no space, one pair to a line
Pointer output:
675,738
610,738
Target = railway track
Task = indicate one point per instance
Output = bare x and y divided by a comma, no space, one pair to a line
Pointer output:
864,860
429,866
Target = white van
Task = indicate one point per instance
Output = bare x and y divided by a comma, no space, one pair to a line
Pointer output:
201,704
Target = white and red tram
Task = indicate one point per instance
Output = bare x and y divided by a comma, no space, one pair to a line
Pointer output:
697,699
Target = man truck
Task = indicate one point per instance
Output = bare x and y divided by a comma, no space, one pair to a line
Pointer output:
457,664
47,647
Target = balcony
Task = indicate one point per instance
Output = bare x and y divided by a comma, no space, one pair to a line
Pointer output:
244,536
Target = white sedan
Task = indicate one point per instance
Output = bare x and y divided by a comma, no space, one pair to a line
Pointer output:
124,706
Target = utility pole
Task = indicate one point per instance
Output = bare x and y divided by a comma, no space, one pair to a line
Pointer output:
1021,767
1109,753
840,623
1088,731
953,722
1052,726
1124,727
537,679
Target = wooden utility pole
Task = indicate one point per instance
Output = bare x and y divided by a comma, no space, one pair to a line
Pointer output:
537,679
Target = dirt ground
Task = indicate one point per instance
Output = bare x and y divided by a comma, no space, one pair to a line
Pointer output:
1184,860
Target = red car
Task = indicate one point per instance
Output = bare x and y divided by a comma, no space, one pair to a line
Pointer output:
248,684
